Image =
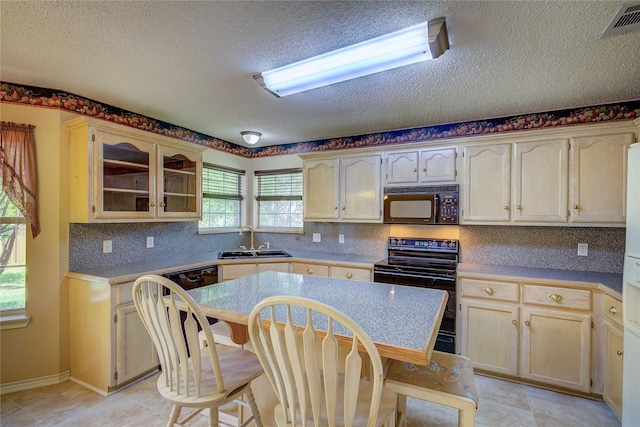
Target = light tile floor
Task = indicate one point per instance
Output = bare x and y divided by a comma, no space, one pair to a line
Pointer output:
502,403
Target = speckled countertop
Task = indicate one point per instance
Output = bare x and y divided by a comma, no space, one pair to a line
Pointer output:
389,314
128,272
608,282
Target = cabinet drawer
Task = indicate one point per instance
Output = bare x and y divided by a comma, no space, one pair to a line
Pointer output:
612,309
310,269
551,296
360,274
503,291
123,293
282,267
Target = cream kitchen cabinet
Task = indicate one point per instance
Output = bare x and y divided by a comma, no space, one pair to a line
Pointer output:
343,189
613,354
310,269
109,345
421,166
520,182
534,332
235,271
598,178
119,174
351,273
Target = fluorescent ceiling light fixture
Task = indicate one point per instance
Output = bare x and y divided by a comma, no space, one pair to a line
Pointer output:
420,42
250,137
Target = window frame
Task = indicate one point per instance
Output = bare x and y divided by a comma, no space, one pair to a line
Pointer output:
258,198
240,197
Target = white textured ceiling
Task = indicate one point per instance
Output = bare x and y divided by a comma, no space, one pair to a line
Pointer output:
191,63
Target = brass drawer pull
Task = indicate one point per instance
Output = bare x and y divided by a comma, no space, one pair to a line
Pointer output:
619,353
506,208
349,275
415,170
613,310
527,323
490,291
424,169
556,297
519,207
576,207
309,271
515,322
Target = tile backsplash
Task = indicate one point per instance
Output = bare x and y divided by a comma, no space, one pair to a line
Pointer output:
545,247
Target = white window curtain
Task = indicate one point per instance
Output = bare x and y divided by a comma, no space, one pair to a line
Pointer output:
18,164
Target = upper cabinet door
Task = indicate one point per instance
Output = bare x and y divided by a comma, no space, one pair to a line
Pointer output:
402,167
124,177
321,189
361,188
540,176
487,183
438,165
598,178
179,183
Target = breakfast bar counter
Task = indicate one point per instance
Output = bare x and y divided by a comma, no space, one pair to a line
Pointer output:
402,321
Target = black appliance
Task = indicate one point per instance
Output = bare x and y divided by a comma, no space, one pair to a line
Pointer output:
424,205
195,277
426,263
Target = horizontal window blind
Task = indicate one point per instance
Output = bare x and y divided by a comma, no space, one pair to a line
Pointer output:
222,183
283,184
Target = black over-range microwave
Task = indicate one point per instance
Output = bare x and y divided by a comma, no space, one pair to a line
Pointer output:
433,205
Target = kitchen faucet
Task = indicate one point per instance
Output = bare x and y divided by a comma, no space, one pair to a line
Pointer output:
251,230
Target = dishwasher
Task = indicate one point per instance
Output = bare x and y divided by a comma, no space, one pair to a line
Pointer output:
195,277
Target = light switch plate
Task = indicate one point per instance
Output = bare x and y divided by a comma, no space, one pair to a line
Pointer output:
583,249
107,246
316,237
150,242
340,238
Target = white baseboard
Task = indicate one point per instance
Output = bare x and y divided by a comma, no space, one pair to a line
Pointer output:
34,382
89,386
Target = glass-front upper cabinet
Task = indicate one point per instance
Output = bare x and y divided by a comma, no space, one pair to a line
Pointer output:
125,175
119,174
179,183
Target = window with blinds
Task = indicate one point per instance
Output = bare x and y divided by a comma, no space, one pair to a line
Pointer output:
279,196
222,190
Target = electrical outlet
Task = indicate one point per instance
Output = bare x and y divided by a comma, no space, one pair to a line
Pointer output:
340,238
107,246
149,242
583,249
317,237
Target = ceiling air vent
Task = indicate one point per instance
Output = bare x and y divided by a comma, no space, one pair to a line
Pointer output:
626,20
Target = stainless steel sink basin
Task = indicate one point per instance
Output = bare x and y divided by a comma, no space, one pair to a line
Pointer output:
251,254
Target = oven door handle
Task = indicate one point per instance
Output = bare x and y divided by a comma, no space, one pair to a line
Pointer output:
415,276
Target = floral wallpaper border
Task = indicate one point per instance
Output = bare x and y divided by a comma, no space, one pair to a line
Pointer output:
53,98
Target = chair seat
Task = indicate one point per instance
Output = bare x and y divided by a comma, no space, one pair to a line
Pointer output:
238,367
448,373
388,403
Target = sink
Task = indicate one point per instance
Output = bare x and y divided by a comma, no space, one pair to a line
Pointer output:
272,254
251,254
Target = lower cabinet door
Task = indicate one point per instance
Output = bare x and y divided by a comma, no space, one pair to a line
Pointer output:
612,378
556,348
135,352
490,335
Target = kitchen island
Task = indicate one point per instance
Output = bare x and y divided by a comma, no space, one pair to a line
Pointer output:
402,321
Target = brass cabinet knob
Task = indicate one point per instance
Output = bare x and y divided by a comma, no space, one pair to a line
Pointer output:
518,207
343,208
515,322
424,169
576,207
506,208
613,310
152,204
162,204
490,291
309,271
619,353
415,170
556,297
349,275
527,323
335,208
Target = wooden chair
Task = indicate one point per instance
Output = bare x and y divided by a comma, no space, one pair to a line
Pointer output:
303,368
201,378
448,381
